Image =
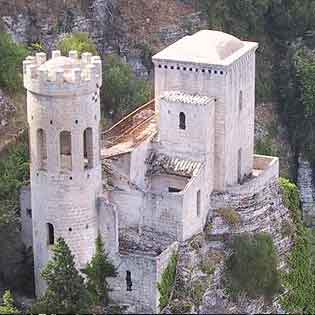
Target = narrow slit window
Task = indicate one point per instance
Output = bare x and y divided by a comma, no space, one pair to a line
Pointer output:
128,281
42,149
88,148
182,121
198,203
240,101
239,166
50,234
65,150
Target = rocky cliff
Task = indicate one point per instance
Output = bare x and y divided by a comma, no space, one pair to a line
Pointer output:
132,28
199,286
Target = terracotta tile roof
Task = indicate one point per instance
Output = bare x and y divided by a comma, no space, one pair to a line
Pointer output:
179,97
160,163
133,129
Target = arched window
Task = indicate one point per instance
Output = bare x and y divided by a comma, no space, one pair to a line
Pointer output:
50,234
41,149
65,150
88,147
182,121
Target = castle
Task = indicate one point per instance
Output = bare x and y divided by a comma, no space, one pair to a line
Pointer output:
145,183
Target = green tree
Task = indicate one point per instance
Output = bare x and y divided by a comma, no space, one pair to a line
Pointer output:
7,306
11,56
14,173
97,271
66,292
252,267
81,42
121,91
300,280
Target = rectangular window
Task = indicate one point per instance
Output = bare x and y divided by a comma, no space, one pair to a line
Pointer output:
198,203
128,281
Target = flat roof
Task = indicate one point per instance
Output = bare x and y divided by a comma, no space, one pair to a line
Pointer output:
206,47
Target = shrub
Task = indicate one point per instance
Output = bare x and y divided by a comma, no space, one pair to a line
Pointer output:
180,307
209,261
196,242
121,91
8,304
230,216
299,280
291,198
167,281
264,147
11,56
81,42
252,267
287,228
197,291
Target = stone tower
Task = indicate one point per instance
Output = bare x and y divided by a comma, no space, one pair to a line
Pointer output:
63,110
220,66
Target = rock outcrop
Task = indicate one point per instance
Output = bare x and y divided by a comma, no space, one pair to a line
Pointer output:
199,286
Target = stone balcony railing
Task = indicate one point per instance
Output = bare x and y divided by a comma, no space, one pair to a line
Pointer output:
266,169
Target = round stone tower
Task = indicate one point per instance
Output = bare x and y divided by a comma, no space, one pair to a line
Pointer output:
63,110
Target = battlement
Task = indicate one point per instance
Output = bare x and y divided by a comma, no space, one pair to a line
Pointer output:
62,76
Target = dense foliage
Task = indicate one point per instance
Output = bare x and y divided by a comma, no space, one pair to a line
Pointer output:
291,199
121,91
11,56
7,307
81,42
15,259
66,292
300,279
252,267
97,272
167,281
283,29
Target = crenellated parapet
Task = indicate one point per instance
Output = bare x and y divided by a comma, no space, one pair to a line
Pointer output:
62,75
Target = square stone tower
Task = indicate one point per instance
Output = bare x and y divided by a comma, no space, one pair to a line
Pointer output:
215,65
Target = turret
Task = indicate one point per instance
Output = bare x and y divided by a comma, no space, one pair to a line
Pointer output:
63,110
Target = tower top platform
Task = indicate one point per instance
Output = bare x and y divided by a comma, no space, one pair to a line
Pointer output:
62,76
206,47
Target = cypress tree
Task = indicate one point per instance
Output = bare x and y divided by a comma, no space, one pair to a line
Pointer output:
97,271
7,306
66,292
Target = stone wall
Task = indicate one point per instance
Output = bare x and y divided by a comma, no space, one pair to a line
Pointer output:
26,216
143,271
146,272
163,212
307,191
193,223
